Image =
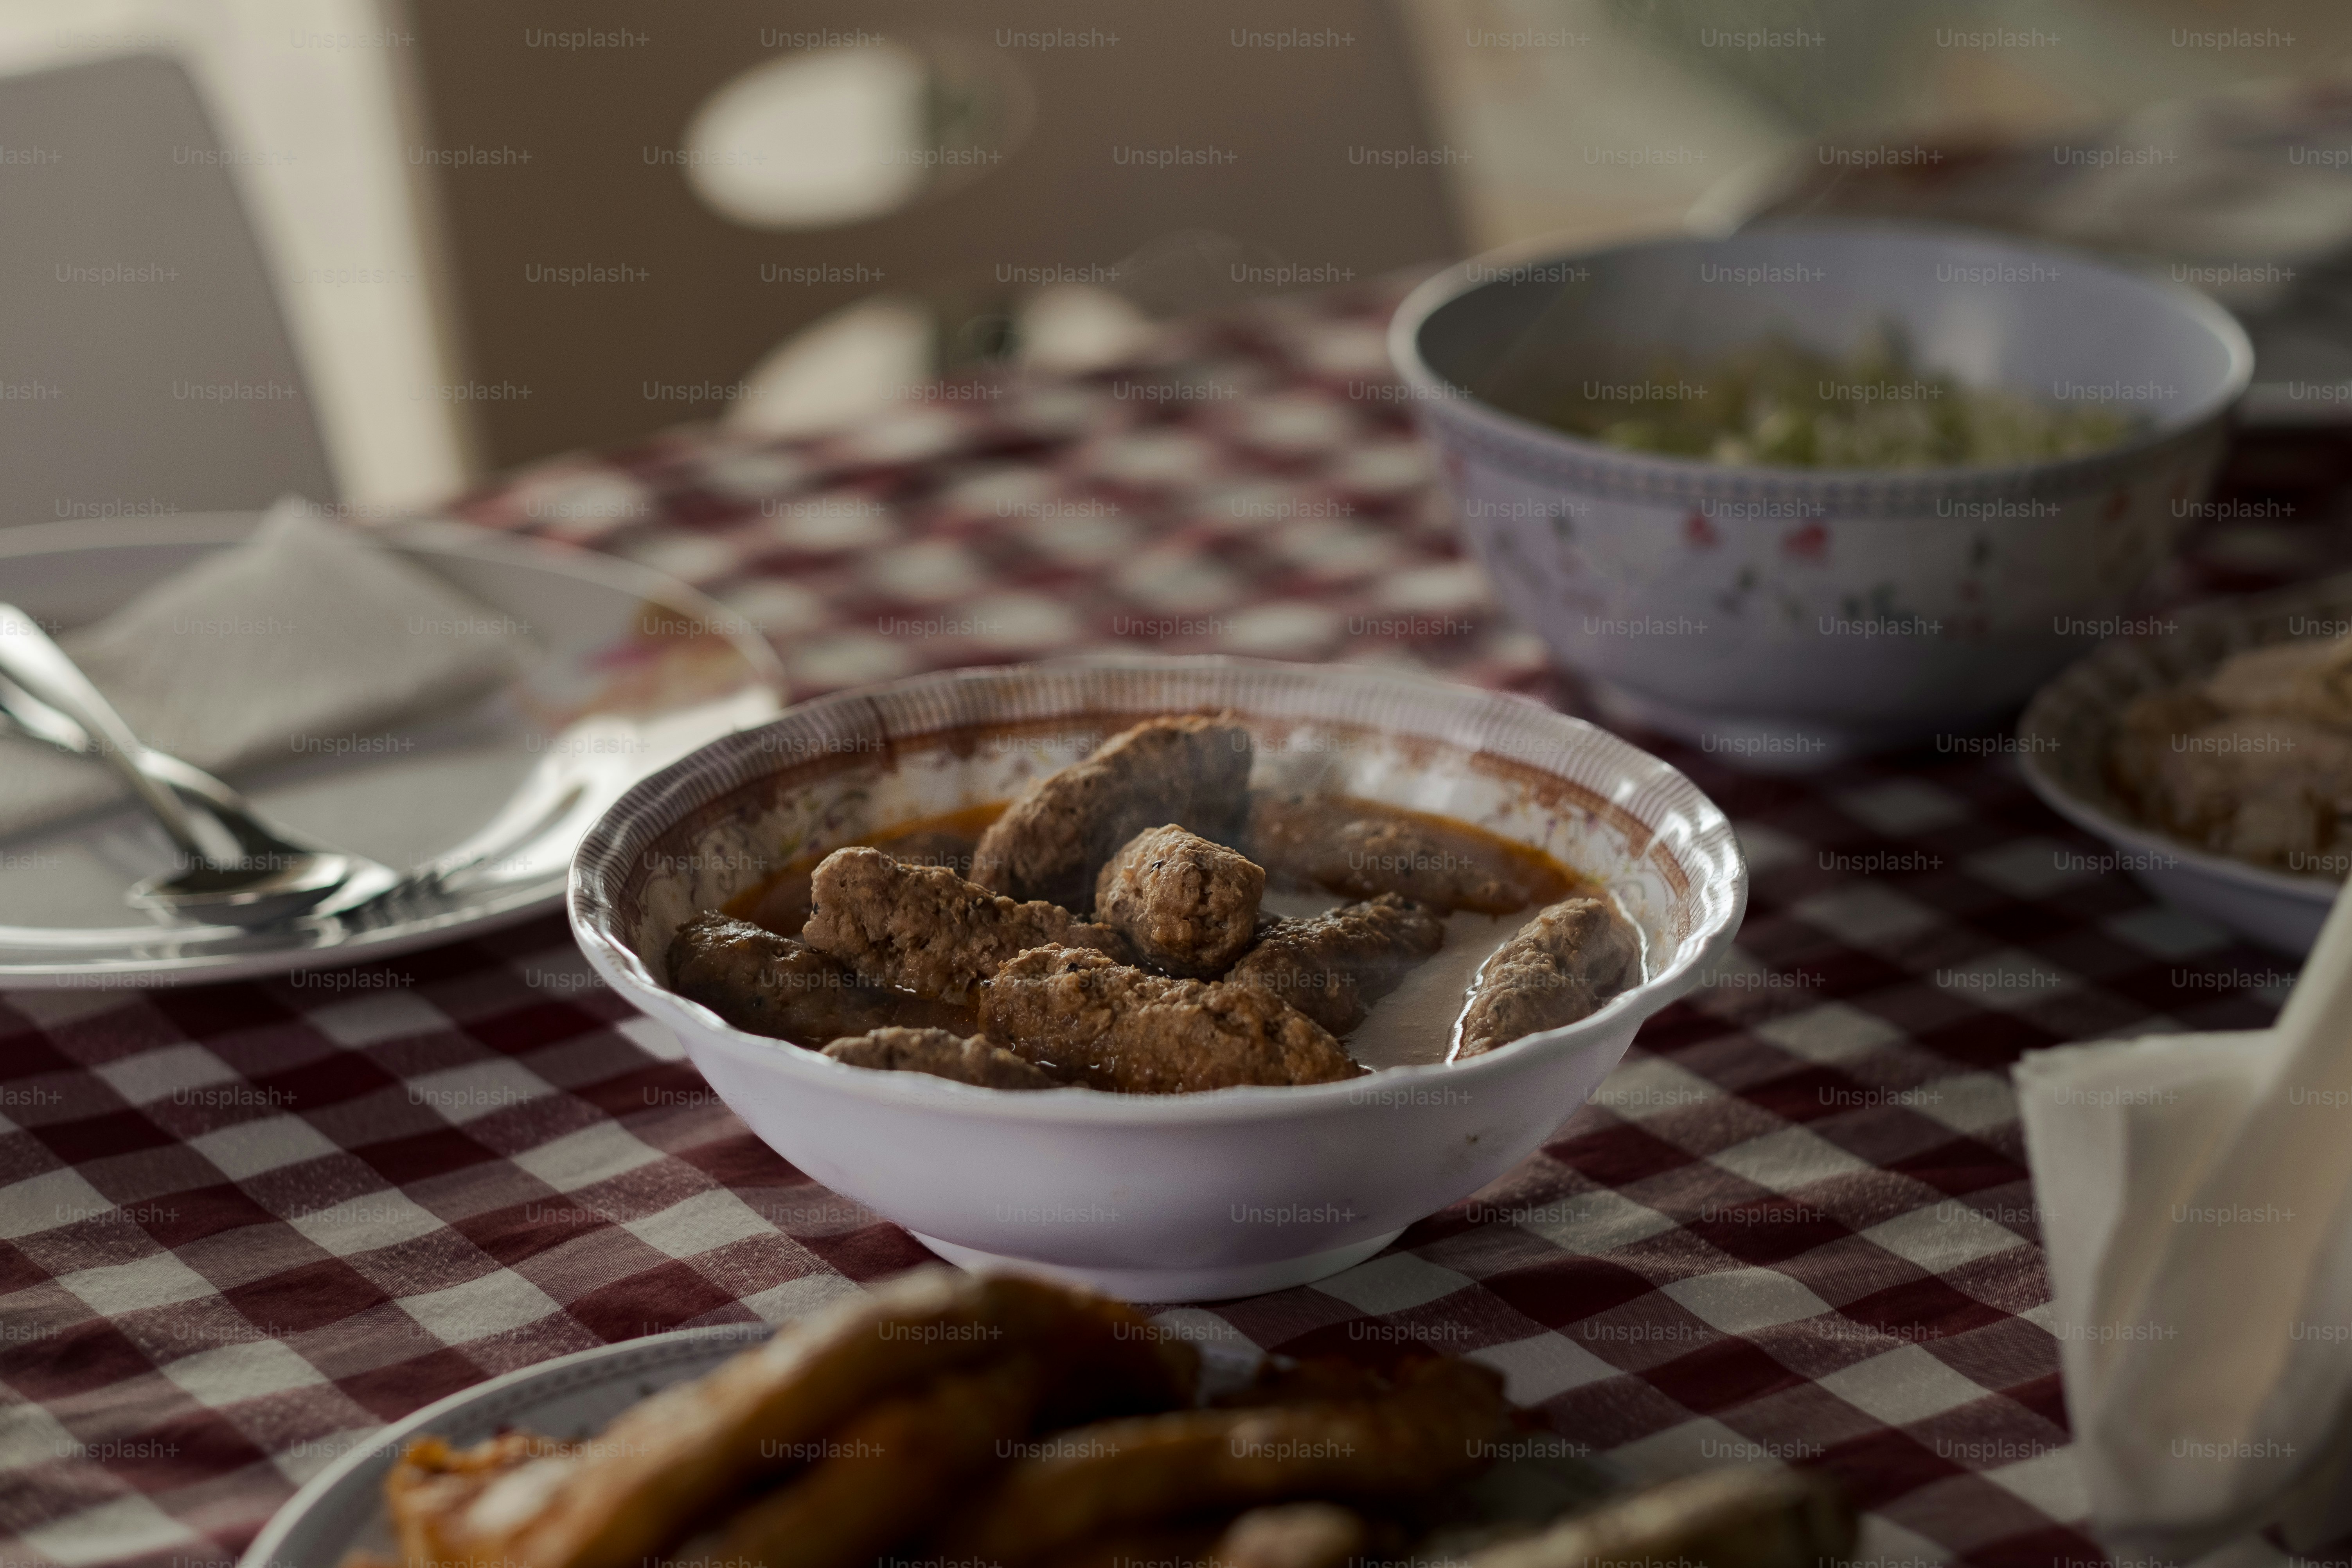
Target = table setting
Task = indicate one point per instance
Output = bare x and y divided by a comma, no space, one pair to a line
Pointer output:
1852,1179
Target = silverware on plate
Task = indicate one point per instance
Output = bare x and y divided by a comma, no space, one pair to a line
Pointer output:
243,872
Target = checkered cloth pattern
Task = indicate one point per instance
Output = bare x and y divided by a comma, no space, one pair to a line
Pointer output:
241,1225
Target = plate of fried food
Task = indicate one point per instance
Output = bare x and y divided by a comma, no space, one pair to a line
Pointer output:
951,1418
2216,758
1183,978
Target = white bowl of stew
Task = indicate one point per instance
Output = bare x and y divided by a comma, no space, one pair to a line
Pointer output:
1179,1196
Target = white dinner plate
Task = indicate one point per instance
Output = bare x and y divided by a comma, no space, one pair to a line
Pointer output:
657,668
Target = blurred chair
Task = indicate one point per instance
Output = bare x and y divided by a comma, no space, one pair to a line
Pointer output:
600,291
144,367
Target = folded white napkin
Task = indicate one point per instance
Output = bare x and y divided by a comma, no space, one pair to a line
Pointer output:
304,633
2196,1197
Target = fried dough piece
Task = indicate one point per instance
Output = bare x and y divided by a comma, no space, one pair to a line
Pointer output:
890,1471
926,929
1746,1516
976,1060
433,1482
2310,680
1432,1426
1362,848
1101,1023
662,1464
1189,906
1292,1535
781,987
1333,966
2145,734
1051,843
1560,967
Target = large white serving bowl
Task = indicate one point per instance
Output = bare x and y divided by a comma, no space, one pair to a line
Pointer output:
1789,617
1157,1198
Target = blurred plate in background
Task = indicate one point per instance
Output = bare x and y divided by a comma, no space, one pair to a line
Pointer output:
2245,193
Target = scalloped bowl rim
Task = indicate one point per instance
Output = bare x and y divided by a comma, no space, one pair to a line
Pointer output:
1722,909
1456,283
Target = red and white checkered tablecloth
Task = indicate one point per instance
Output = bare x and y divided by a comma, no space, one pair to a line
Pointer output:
241,1225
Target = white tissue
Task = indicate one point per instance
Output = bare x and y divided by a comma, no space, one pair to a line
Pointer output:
305,631
2197,1198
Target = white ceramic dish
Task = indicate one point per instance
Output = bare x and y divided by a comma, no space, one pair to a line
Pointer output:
1179,1197
1789,617
414,792
2063,735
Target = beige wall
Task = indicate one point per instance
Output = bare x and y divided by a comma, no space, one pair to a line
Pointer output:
1551,130
1598,83
302,92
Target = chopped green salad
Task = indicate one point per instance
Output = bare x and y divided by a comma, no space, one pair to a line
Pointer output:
1779,406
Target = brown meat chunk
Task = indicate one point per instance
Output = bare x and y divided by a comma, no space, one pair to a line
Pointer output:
1560,967
924,929
1189,906
941,1054
1363,849
1333,966
1087,1017
1439,1422
661,1468
1051,843
782,905
769,985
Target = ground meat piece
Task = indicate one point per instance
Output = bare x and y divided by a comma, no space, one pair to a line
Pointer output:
941,1054
1110,1026
774,986
1561,966
924,929
1333,966
1052,842
1362,849
1189,906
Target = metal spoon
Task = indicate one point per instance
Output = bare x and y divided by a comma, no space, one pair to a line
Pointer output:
264,878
